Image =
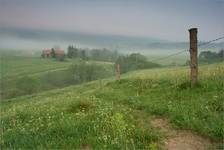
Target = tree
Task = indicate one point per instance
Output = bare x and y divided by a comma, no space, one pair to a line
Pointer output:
70,52
83,54
53,55
94,54
221,54
83,72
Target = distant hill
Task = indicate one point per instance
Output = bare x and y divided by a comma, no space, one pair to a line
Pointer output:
18,38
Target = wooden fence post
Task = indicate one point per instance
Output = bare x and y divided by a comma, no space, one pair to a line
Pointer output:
118,74
194,55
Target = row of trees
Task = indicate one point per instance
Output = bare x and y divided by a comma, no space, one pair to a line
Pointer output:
84,72
77,73
134,61
74,52
210,57
127,63
94,54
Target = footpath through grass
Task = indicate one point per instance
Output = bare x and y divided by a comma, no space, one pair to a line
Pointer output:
116,114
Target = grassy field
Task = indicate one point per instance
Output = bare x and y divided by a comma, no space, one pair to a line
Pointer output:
172,61
26,75
108,114
14,66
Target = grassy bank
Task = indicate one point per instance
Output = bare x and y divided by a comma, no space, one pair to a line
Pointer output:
116,114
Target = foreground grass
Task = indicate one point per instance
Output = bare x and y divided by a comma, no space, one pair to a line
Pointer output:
116,114
72,118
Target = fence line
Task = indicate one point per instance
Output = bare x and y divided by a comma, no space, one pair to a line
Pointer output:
211,41
180,52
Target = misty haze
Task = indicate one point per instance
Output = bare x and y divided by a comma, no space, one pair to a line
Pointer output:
121,74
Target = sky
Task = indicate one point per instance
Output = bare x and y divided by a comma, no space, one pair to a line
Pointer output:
163,19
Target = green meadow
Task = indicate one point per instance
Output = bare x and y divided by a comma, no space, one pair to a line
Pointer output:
27,75
111,75
110,114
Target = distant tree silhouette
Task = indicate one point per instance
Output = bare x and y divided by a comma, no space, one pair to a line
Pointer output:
134,61
210,57
53,55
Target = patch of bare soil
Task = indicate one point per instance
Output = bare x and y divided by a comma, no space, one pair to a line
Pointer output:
181,139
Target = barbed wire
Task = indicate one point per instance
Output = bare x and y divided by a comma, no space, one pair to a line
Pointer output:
209,42
180,52
171,55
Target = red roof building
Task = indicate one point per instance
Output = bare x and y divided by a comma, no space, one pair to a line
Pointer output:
59,53
46,53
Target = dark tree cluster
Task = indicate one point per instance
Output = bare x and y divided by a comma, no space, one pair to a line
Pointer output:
73,52
134,61
84,72
93,54
211,57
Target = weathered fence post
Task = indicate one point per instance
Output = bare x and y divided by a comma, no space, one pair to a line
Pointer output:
118,74
194,55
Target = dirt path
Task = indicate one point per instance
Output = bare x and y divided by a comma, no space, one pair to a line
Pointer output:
181,139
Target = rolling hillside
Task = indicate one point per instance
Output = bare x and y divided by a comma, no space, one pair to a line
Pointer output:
121,114
22,75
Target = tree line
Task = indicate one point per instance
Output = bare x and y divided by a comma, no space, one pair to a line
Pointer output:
93,54
211,57
134,61
127,63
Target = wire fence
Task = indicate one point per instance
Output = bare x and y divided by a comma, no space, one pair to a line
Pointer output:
210,42
183,51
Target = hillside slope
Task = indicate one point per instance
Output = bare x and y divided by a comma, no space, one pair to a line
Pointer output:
117,114
22,75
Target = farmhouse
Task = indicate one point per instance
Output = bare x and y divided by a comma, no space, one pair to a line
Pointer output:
46,53
59,54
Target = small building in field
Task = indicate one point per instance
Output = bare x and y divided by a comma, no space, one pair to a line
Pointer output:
59,53
46,53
